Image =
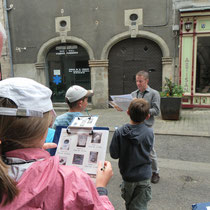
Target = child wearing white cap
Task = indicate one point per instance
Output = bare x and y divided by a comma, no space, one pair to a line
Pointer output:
77,100
29,177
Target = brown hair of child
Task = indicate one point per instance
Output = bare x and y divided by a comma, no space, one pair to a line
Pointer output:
138,110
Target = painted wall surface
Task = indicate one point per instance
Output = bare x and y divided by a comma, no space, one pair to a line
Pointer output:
203,25
94,24
32,23
186,66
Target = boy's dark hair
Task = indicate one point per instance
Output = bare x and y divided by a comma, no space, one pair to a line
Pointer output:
74,104
138,110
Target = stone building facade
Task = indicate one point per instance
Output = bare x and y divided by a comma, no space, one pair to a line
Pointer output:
98,44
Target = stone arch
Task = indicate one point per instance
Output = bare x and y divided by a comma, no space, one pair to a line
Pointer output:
167,61
40,64
126,35
57,40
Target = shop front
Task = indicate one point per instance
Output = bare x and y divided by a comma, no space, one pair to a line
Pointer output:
195,57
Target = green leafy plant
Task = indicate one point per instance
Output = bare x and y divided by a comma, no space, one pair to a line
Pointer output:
170,89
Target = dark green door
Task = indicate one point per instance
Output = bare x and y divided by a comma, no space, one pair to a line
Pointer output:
129,56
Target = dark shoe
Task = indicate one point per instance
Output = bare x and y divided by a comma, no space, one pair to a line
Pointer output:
155,178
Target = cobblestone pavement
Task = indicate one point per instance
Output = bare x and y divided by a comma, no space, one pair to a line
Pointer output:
183,159
191,123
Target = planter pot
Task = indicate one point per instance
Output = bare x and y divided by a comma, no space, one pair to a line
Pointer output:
170,108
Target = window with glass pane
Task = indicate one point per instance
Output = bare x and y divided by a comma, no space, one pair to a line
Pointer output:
203,65
67,66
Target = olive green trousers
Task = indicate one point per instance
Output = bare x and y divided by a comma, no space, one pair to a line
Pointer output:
136,194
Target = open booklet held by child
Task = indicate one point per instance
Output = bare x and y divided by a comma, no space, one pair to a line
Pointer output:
81,144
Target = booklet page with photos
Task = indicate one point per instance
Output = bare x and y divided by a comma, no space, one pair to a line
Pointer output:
83,147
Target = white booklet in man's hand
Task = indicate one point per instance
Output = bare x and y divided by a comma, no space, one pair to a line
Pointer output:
122,101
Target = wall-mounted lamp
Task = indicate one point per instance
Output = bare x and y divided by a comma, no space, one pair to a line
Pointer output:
188,25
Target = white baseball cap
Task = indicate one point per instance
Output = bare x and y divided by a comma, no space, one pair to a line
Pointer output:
31,97
76,92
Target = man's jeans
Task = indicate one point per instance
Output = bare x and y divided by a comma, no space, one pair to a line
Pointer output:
153,157
136,194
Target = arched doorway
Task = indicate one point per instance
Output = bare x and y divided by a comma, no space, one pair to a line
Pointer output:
67,65
129,56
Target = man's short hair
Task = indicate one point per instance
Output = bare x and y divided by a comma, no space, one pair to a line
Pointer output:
138,110
143,73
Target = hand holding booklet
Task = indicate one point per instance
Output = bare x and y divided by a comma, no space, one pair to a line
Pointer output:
81,144
121,101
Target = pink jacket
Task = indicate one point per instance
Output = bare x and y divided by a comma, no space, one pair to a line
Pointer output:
48,185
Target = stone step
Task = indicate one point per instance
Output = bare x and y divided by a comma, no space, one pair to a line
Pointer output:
60,104
63,107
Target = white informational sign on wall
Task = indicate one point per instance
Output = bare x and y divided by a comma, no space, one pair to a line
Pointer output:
57,72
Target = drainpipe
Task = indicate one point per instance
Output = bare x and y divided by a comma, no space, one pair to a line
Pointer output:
6,10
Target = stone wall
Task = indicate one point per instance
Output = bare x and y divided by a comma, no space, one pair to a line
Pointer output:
5,58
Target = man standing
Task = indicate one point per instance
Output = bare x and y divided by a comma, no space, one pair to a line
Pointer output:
153,98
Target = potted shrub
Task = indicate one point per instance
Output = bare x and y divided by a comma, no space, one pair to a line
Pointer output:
171,98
